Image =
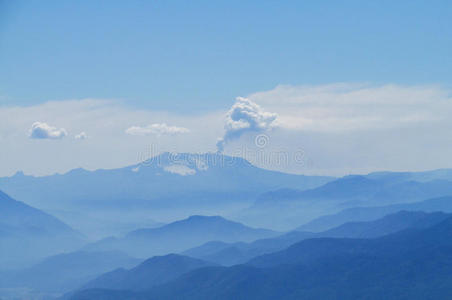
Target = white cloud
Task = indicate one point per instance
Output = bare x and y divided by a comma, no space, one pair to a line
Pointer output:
245,116
103,119
345,107
180,170
157,129
40,130
341,128
81,136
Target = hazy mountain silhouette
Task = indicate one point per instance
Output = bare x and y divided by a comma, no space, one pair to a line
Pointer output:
18,219
172,185
180,235
235,253
356,189
152,272
425,176
402,242
65,272
27,233
372,213
411,264
291,206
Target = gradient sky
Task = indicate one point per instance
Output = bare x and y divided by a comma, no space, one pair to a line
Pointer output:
191,55
185,60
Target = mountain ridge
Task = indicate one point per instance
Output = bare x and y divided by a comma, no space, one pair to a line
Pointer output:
153,271
165,187
180,235
417,264
236,253
28,234
358,214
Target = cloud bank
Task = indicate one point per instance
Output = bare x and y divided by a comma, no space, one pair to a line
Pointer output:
341,128
344,107
40,130
157,129
245,116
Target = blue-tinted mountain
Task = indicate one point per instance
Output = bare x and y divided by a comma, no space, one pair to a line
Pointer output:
181,235
362,190
403,242
152,272
19,219
425,176
65,272
291,206
27,233
229,254
235,253
387,225
412,264
163,186
360,214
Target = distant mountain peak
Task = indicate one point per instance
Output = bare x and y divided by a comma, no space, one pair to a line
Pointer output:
181,235
171,182
19,173
196,161
206,219
187,164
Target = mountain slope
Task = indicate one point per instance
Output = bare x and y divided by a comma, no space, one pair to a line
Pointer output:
165,186
414,264
65,272
27,234
230,254
20,219
360,214
387,225
181,235
424,176
292,206
399,243
356,189
152,272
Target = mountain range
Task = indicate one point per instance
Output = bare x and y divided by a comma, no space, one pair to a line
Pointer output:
152,272
410,264
173,186
360,214
168,186
186,226
66,272
235,253
291,206
179,236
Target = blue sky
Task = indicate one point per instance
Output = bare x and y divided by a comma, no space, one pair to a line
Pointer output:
199,55
357,86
